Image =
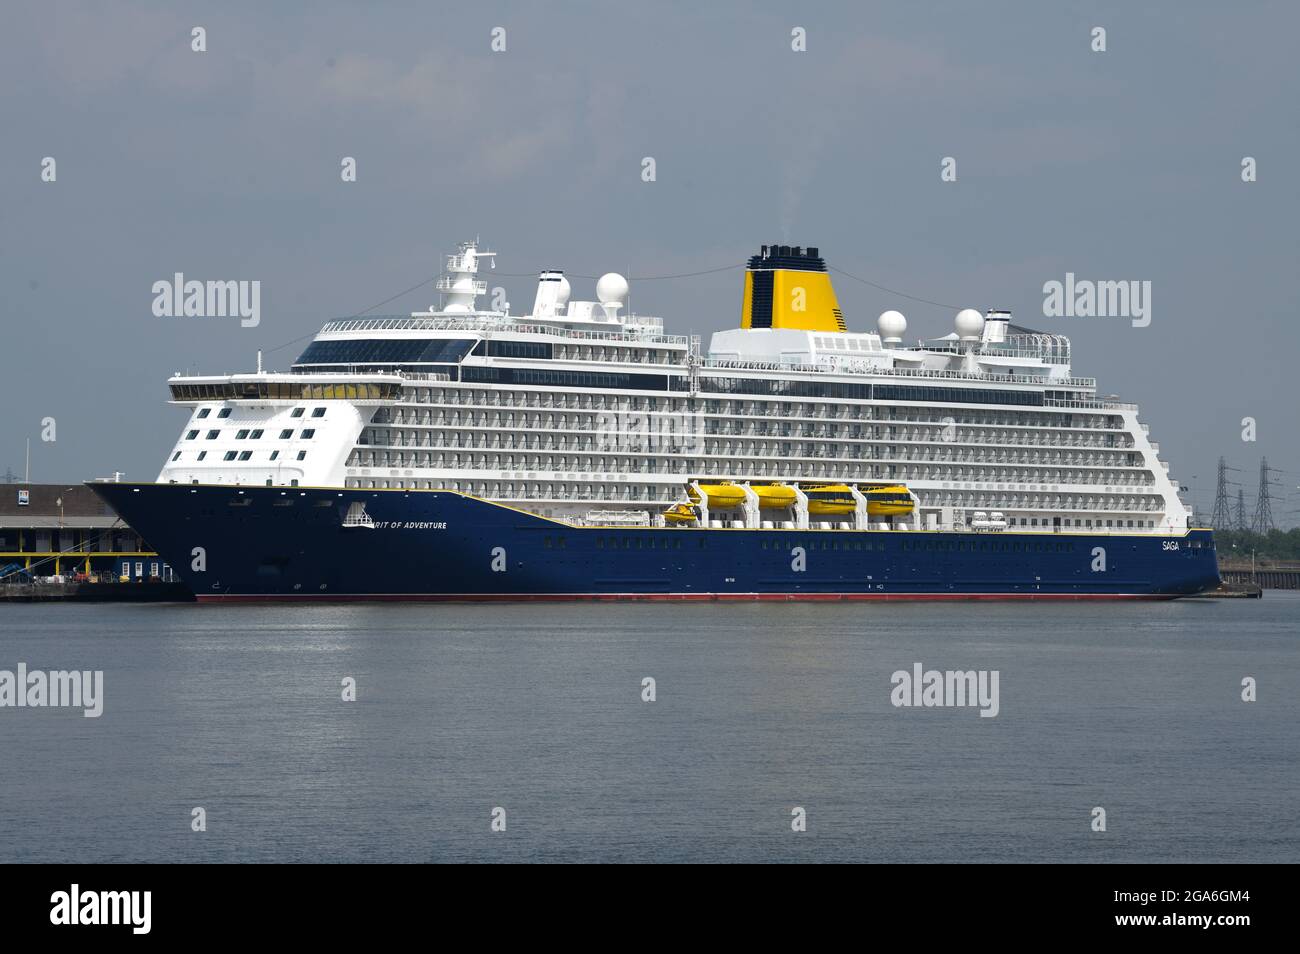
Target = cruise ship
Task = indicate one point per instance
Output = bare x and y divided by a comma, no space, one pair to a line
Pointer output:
582,452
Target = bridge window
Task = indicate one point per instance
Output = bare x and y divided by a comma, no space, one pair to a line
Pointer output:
386,351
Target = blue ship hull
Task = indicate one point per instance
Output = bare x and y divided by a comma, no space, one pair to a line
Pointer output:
249,543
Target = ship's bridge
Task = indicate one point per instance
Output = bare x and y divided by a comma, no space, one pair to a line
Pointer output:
455,331
267,387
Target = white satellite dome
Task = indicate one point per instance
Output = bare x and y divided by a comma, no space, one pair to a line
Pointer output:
970,324
611,289
891,325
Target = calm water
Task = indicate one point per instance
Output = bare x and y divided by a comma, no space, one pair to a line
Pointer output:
760,708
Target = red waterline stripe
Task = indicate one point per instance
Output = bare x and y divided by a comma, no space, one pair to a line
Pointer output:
661,597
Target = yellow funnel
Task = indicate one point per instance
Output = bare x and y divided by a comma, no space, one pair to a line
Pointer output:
788,287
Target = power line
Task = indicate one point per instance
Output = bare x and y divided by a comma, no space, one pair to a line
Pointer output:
892,291
630,278
640,278
358,314
425,281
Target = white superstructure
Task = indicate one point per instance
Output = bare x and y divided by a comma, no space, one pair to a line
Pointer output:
583,408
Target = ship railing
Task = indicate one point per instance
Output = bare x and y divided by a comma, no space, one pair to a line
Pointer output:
642,329
419,376
1091,405
728,364
448,283
1052,349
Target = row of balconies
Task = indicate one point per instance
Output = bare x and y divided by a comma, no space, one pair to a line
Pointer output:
554,401
1040,436
634,441
611,354
787,470
580,489
670,443
797,452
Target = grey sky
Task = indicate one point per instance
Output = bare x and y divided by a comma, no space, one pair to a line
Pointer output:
225,165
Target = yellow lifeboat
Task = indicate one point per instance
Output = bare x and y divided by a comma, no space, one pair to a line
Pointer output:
681,513
889,501
830,499
774,496
723,496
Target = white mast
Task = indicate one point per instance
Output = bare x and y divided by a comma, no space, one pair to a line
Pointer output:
459,287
